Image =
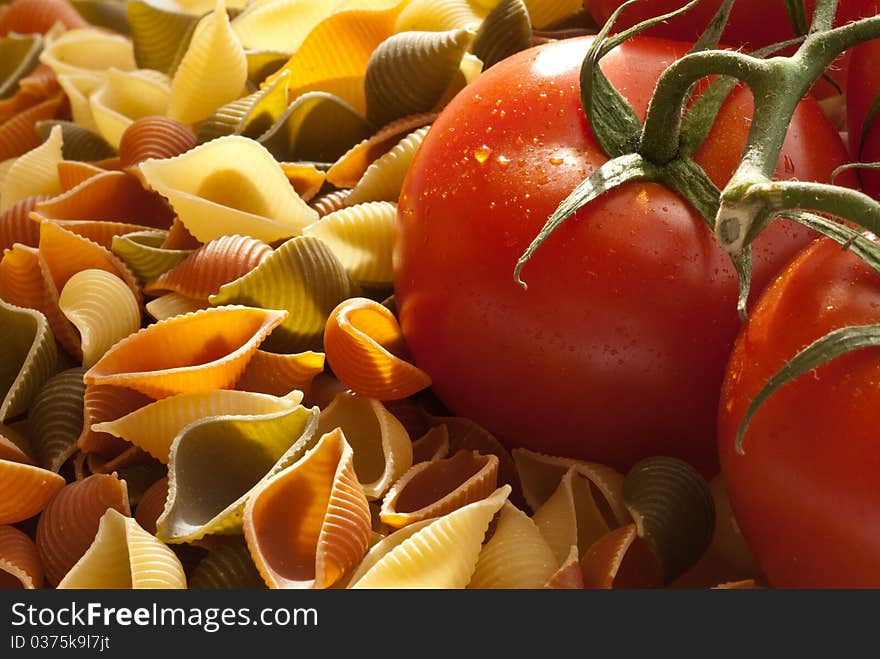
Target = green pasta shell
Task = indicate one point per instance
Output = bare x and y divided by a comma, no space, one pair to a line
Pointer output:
56,418
263,63
28,357
110,14
302,276
317,127
250,116
409,72
142,251
79,143
19,55
160,36
227,567
505,31
216,462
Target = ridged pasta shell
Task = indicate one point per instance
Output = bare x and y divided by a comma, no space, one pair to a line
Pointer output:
278,375
409,72
19,563
151,505
231,185
200,351
179,237
172,305
101,464
154,426
217,262
123,555
280,24
157,33
302,276
569,575
433,445
442,554
310,524
21,281
142,251
317,127
34,173
56,418
72,172
208,494
125,97
544,13
19,55
383,179
17,135
263,63
305,178
516,556
506,30
41,82
362,238
79,144
25,490
213,70
353,35
104,13
154,137
70,522
227,567
382,448
433,489
367,352
139,477
728,541
14,447
332,201
38,16
27,357
103,309
434,16
78,87
88,51
104,403
621,559
16,225
250,116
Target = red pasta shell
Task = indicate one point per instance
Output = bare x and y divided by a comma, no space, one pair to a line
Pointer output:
28,16
20,565
154,137
16,226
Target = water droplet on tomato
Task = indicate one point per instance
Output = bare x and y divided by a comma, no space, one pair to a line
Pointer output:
555,160
482,153
502,160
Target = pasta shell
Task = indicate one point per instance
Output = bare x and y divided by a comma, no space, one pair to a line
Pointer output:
383,179
200,351
13,446
621,559
506,30
278,375
125,97
154,137
433,445
151,505
213,70
79,144
172,305
34,173
16,225
569,575
350,167
72,172
123,555
516,556
179,237
367,352
101,464
263,63
19,55
301,276
318,127
21,279
103,309
56,418
727,539
39,16
27,358
17,135
105,403
68,525
88,51
19,563
332,201
434,16
157,34
227,567
281,24
212,265
208,495
250,116
544,13
212,188
433,489
310,524
41,82
305,178
154,426
382,449
142,252
78,87
442,554
139,477
25,490
101,13
362,238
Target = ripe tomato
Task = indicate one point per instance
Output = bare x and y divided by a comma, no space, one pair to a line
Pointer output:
617,349
805,493
863,87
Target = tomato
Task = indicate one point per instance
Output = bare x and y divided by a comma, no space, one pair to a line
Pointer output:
805,492
617,349
864,86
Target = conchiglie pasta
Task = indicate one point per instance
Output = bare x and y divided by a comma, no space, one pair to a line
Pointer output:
546,12
19,55
79,144
154,137
125,97
280,24
227,567
34,173
55,419
279,374
158,33
142,251
173,304
16,225
104,403
88,51
40,16
434,16
383,179
19,563
25,490
250,116
506,30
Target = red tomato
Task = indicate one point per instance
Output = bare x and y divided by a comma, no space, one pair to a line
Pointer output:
617,349
863,88
805,493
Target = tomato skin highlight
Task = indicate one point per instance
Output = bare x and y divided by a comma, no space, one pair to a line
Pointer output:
805,493
617,349
863,86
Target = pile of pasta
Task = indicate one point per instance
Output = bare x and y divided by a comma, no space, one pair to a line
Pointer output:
202,380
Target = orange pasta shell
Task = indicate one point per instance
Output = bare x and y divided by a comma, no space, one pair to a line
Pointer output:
25,490
20,565
18,135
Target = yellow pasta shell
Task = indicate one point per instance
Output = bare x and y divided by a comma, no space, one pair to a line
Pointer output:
88,51
278,375
173,304
546,12
383,179
25,490
250,116
200,351
231,185
442,554
78,87
34,173
104,403
55,419
123,555
142,251
301,276
125,97
281,24
433,445
439,16
263,63
19,54
310,524
19,563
